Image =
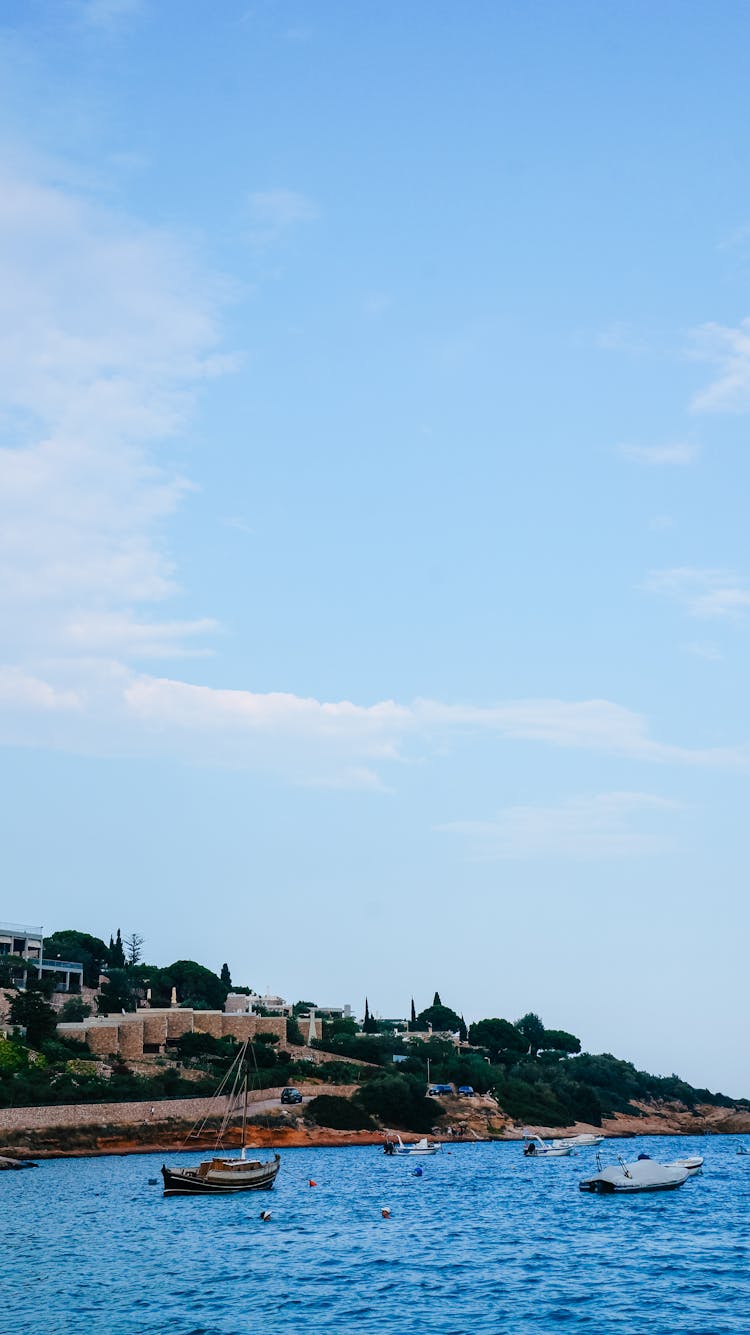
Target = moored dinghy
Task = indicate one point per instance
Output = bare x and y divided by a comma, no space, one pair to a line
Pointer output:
693,1163
539,1149
573,1142
641,1175
423,1146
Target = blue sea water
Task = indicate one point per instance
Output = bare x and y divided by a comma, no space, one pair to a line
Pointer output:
484,1241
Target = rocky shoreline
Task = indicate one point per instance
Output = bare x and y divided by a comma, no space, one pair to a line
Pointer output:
483,1121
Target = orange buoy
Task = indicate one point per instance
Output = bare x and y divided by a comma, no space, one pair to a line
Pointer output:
311,1183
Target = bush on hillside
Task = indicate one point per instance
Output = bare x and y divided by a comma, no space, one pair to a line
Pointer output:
399,1101
338,1113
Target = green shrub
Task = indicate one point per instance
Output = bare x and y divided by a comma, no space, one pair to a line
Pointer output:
338,1113
399,1101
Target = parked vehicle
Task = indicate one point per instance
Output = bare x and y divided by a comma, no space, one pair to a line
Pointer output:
290,1095
440,1089
466,1090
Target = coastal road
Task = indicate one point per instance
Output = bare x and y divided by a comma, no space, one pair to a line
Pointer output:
274,1105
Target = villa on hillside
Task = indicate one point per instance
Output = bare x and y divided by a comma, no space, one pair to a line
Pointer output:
26,946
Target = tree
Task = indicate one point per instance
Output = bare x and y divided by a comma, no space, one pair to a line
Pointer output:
90,951
74,1010
33,1013
436,1000
134,947
399,1101
117,993
559,1040
498,1036
413,1019
440,1017
370,1025
225,975
196,986
532,1029
116,953
463,1032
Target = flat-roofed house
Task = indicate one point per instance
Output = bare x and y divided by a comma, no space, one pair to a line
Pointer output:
26,945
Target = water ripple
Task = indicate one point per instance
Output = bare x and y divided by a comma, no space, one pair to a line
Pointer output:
484,1242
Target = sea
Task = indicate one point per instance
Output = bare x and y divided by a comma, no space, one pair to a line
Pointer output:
484,1240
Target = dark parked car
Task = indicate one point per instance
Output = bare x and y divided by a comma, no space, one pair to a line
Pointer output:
466,1090
290,1095
440,1089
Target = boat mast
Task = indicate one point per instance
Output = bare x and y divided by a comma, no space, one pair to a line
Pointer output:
244,1114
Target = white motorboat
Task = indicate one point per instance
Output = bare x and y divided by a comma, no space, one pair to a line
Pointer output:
743,1149
641,1175
693,1163
423,1146
536,1148
584,1138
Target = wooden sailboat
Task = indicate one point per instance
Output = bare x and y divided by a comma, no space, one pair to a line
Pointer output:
218,1175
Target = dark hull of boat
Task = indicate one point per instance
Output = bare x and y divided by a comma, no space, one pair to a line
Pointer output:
186,1182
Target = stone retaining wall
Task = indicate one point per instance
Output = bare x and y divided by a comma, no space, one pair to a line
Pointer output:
129,1114
125,1035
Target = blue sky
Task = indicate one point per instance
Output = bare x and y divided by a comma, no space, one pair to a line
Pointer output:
374,394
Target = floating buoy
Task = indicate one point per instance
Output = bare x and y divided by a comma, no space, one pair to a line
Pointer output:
265,1215
385,1212
418,1171
310,1183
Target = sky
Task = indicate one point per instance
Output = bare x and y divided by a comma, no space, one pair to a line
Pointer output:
374,573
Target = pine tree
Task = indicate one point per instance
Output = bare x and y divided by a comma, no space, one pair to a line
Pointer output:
117,953
413,1015
225,975
463,1032
436,1000
370,1025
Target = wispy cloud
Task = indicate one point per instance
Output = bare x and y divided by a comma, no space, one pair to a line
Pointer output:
678,454
729,349
621,337
108,14
702,592
21,690
603,825
332,743
106,332
704,649
273,213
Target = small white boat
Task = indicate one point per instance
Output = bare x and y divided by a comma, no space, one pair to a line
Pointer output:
423,1146
693,1163
743,1149
536,1148
641,1175
584,1138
